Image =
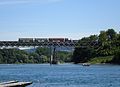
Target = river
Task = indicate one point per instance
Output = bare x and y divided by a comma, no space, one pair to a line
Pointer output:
63,75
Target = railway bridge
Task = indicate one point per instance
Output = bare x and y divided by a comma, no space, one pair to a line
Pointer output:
52,43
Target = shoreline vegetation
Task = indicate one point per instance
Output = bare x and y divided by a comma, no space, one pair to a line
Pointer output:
102,48
95,49
41,55
100,60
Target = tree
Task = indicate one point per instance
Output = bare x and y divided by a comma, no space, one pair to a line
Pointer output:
82,55
116,58
64,56
103,38
105,44
1,58
43,51
111,34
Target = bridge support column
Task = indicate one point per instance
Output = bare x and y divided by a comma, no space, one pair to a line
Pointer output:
53,59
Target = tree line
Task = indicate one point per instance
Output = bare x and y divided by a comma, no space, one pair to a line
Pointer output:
41,55
107,43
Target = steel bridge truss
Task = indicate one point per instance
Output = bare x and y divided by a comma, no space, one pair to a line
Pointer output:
23,44
52,45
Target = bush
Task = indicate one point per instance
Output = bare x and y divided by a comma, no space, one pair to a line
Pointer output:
116,58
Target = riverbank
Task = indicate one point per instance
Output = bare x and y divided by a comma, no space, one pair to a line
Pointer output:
100,60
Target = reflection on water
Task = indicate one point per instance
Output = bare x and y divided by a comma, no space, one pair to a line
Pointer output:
64,75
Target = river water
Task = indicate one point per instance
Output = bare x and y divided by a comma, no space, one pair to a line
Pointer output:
63,75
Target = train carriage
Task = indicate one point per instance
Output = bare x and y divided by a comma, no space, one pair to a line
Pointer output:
26,40
57,39
40,40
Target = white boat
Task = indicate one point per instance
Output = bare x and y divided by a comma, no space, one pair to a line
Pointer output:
86,64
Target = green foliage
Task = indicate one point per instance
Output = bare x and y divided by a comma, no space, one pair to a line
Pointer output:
41,55
105,44
98,60
111,34
82,55
64,56
116,58
43,51
12,56
9,56
44,54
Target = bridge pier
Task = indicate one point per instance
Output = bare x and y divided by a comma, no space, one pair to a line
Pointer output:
53,58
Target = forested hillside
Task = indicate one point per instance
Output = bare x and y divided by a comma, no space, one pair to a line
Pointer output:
107,43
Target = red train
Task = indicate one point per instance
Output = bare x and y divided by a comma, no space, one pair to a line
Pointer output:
44,40
58,39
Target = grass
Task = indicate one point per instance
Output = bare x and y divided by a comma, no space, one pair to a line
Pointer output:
100,60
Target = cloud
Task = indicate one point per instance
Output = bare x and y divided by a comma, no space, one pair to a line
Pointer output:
12,2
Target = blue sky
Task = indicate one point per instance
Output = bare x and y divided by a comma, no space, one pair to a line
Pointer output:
57,18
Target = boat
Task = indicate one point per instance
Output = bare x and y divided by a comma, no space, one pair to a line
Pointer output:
86,64
15,84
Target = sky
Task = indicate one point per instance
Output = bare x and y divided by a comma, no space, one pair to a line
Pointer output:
72,19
